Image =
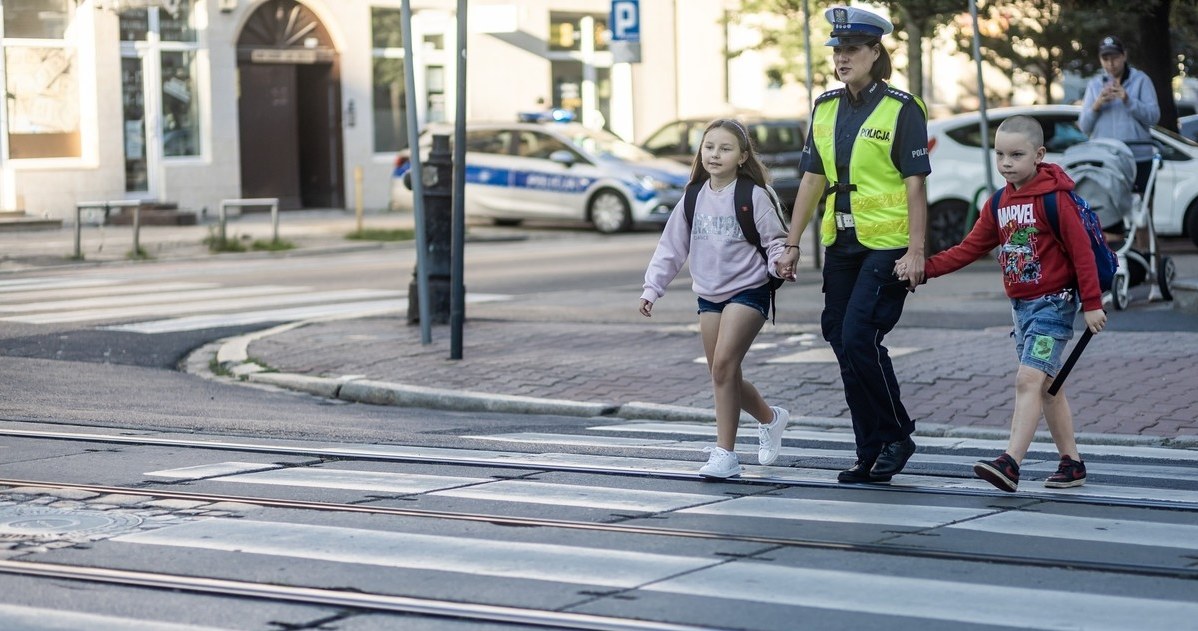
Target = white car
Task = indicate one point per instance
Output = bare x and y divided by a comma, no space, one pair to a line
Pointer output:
957,185
521,171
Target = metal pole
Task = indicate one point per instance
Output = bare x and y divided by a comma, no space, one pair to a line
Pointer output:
816,254
136,231
457,285
274,221
977,59
221,215
78,231
358,198
422,293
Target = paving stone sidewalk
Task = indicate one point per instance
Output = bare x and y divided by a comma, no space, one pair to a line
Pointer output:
1129,383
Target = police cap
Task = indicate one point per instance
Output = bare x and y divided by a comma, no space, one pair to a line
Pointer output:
853,25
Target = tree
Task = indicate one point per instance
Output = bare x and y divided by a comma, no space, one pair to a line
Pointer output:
914,21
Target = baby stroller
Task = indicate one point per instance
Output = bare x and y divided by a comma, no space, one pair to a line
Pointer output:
1104,174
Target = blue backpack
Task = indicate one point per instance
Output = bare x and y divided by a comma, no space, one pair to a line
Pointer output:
1104,259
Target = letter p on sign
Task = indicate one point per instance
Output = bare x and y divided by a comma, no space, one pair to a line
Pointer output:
625,21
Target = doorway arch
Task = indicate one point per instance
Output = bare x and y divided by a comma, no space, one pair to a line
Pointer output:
289,113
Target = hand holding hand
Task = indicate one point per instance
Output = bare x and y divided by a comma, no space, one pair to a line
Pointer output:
787,264
911,269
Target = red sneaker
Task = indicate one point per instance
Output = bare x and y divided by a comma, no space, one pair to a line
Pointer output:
1002,472
1069,473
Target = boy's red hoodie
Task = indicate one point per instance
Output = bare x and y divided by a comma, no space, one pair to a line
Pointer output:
1034,262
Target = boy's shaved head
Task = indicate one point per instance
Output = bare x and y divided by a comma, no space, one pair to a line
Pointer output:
1025,126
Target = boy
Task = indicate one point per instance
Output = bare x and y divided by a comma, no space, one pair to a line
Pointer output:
1043,276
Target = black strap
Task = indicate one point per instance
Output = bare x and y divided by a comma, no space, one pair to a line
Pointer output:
841,187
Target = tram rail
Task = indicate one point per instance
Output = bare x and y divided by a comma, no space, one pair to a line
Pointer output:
351,453
1159,571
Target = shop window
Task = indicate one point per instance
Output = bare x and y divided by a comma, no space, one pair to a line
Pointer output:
167,66
388,99
568,32
43,102
180,107
37,19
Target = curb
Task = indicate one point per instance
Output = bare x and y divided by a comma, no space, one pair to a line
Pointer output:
231,355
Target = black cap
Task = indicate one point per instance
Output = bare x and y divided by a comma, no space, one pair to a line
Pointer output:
1110,45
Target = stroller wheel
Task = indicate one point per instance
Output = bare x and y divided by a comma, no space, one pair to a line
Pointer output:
1119,288
1165,274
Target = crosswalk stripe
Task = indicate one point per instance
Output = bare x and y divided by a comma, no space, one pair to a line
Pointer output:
908,515
1104,530
1132,532
1042,460
280,298
211,321
508,559
950,442
909,597
37,619
104,289
738,580
357,480
26,284
127,299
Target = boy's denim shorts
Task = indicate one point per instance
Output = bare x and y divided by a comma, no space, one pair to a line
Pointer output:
1043,326
757,297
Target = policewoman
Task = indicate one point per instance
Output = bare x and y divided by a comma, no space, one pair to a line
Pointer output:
867,152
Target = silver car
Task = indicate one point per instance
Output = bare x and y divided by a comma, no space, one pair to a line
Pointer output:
525,171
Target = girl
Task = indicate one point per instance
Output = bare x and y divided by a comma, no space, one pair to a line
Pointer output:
732,283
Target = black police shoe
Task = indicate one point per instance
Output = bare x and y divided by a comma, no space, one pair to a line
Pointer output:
893,457
860,473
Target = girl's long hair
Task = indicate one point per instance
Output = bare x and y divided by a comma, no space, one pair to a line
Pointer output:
752,166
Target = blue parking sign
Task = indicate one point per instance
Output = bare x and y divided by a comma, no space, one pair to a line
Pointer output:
625,22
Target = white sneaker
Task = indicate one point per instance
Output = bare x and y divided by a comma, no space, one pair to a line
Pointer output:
769,436
722,464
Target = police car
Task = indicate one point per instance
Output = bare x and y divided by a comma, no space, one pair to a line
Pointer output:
527,171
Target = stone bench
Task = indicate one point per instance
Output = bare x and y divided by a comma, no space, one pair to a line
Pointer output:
1185,294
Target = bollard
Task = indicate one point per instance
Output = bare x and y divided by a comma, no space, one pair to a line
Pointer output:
438,195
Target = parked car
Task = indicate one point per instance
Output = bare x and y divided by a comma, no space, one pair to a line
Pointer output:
779,143
521,171
957,184
1188,126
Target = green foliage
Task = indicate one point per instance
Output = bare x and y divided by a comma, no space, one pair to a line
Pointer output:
216,244
139,254
266,245
378,234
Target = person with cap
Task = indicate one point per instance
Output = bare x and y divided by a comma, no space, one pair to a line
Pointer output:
1121,104
867,156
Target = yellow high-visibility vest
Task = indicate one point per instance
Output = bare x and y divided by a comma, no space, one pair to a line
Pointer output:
879,202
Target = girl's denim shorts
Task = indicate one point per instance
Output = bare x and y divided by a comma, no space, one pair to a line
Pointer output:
1043,326
757,297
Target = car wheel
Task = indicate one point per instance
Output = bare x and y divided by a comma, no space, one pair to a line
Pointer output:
507,222
1192,222
946,225
1165,273
609,212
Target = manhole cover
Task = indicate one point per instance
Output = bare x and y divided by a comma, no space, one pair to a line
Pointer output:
43,522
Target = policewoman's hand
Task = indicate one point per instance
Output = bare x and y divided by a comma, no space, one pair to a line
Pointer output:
787,264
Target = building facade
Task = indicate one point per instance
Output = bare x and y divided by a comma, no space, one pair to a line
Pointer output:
194,101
